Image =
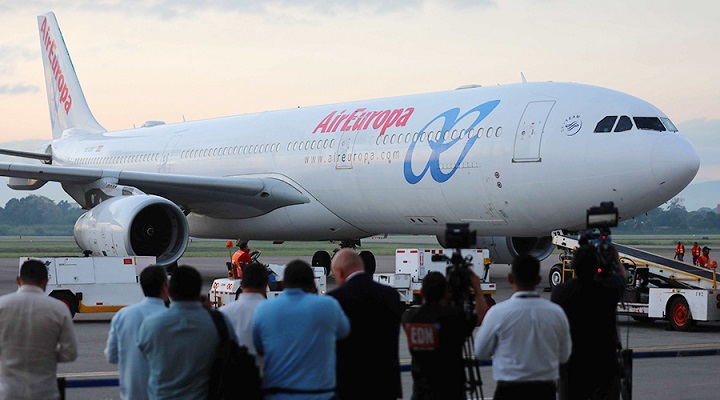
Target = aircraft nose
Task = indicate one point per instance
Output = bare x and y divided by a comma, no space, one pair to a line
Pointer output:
674,163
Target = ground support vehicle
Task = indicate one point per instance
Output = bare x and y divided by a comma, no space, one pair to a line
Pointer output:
656,288
95,284
411,266
226,290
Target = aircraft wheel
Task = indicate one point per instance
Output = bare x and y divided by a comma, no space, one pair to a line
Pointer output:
322,259
679,315
555,276
369,261
69,299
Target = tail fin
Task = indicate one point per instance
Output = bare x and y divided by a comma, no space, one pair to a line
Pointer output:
68,108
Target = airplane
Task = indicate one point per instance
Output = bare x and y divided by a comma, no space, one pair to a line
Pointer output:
513,161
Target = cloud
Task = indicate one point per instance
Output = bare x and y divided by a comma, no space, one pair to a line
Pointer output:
17,89
169,9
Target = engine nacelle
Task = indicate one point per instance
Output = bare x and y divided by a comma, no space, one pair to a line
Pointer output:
138,225
503,248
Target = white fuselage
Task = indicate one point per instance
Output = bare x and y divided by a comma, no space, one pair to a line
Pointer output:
511,160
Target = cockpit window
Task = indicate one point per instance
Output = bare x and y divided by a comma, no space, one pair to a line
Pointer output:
649,123
624,124
668,124
606,124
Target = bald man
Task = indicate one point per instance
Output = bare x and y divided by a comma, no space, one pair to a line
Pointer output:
374,311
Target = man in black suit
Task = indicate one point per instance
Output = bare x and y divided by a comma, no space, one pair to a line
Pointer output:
374,311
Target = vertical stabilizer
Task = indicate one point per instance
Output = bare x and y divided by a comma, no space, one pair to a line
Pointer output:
68,108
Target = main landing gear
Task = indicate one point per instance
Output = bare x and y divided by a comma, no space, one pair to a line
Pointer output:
323,258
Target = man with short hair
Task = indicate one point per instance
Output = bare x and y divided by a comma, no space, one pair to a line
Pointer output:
527,336
122,348
374,311
180,344
296,333
241,311
36,332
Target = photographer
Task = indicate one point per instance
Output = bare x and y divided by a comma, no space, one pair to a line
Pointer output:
436,333
589,301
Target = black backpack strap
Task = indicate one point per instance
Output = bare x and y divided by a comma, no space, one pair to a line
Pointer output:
220,325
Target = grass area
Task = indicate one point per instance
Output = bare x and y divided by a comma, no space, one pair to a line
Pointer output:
57,246
46,246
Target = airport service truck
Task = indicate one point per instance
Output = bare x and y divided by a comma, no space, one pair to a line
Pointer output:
226,290
411,266
656,287
95,284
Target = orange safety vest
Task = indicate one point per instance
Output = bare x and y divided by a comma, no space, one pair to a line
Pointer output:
696,251
680,249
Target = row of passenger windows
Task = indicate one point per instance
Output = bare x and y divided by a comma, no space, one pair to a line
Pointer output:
135,158
226,151
300,145
436,136
624,123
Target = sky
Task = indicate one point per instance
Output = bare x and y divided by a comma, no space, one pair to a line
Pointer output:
175,60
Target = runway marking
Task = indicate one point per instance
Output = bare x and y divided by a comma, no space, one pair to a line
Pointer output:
677,346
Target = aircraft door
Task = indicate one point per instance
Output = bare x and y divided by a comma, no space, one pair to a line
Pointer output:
345,150
529,132
167,151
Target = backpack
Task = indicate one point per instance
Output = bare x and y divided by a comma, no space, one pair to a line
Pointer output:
234,374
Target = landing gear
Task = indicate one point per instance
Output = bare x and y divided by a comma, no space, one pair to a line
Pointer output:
369,261
322,259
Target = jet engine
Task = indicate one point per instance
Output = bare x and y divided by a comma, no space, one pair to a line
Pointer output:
503,248
137,225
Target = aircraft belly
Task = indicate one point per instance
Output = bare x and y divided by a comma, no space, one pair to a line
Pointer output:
311,221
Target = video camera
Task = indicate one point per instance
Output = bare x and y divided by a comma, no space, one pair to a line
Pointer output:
602,218
458,236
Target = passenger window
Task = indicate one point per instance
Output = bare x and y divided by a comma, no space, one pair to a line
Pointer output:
624,124
649,123
605,124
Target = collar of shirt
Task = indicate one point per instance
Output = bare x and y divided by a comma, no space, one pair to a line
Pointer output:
525,294
30,289
356,273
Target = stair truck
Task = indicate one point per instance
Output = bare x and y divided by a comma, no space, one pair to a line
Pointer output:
656,287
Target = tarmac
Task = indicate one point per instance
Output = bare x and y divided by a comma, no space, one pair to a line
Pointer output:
665,364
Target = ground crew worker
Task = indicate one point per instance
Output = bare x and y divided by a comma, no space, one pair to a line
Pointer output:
680,251
695,252
704,259
240,259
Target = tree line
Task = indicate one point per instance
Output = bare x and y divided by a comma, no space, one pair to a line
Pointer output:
40,216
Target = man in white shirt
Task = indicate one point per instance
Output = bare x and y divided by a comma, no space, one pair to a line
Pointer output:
122,348
36,332
527,336
241,311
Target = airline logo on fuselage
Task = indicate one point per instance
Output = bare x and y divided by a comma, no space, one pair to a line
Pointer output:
58,77
361,119
450,118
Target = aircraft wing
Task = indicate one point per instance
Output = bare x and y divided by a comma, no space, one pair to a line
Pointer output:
229,197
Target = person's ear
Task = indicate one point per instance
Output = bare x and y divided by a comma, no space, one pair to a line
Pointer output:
18,280
537,280
511,279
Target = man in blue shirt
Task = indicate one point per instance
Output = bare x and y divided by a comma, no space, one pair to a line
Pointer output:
296,333
180,344
122,346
